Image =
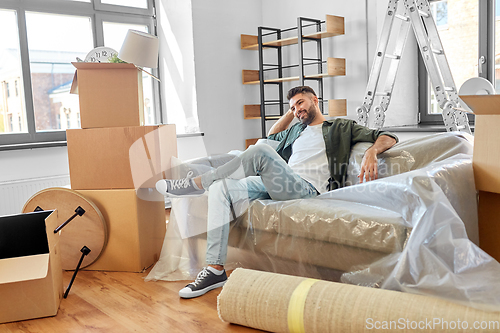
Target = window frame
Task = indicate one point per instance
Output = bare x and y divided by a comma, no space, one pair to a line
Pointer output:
486,37
97,12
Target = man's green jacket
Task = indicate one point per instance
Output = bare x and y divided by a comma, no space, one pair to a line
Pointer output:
340,135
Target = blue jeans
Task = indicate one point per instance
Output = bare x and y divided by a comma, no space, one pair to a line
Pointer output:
258,173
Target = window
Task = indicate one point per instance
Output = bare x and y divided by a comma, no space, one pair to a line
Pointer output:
497,47
439,11
113,34
458,28
52,34
54,41
130,3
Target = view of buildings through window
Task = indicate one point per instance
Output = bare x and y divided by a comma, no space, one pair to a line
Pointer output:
458,26
54,41
51,51
12,108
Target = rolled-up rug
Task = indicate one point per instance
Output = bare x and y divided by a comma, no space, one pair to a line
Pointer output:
282,303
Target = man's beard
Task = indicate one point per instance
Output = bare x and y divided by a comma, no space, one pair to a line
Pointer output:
310,115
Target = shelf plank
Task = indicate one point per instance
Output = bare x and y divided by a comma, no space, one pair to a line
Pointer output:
337,107
250,76
249,142
334,27
335,67
272,117
251,111
282,79
249,41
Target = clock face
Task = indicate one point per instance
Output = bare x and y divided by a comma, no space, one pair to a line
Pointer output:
100,54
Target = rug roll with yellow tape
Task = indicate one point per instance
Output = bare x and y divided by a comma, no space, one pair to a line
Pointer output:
283,303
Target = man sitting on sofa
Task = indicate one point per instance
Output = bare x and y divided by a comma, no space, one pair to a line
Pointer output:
311,158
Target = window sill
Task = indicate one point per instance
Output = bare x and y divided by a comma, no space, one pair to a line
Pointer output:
188,135
420,128
34,145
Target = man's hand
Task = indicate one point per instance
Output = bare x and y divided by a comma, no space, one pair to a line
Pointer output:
369,167
282,123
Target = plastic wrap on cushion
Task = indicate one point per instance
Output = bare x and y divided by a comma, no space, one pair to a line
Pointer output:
330,221
412,230
411,154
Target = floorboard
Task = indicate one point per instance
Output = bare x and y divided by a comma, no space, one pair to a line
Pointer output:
124,302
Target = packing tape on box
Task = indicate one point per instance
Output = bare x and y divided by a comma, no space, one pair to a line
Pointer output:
282,303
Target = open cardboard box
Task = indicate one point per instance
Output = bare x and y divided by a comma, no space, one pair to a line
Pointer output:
30,266
110,94
486,165
120,157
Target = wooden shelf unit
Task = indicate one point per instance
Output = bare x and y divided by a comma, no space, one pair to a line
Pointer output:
334,66
334,27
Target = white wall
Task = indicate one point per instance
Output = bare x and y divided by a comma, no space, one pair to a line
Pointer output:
176,58
33,163
219,60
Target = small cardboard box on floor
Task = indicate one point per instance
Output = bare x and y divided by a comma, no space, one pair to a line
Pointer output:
120,157
30,266
486,165
136,228
110,94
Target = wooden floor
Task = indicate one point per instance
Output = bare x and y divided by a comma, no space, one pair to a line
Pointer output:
123,302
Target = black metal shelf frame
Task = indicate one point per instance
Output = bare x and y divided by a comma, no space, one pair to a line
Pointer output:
302,23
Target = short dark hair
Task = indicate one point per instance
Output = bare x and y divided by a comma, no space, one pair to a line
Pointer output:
299,90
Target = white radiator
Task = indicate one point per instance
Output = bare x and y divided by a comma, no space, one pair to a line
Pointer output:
14,194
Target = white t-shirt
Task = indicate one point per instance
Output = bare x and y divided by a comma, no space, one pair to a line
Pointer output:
308,158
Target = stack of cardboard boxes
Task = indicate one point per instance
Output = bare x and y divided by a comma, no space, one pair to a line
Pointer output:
115,161
486,164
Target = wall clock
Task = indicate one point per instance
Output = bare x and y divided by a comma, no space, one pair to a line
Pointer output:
100,54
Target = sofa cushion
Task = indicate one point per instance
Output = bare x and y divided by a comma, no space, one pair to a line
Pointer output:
330,221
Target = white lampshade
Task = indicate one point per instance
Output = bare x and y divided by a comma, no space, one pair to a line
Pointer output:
140,48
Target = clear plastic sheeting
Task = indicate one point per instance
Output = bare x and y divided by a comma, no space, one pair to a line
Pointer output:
414,229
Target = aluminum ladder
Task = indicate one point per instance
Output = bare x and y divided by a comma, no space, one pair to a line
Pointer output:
417,13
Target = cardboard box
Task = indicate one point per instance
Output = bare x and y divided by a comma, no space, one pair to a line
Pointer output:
489,223
486,165
111,95
30,266
136,229
120,157
486,158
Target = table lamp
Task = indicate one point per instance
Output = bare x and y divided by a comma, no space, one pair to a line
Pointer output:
141,49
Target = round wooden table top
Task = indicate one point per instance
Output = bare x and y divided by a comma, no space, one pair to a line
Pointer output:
89,229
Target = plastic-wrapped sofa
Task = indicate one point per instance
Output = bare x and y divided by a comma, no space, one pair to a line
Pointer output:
414,229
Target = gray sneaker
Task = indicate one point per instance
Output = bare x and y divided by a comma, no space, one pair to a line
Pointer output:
179,187
205,281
